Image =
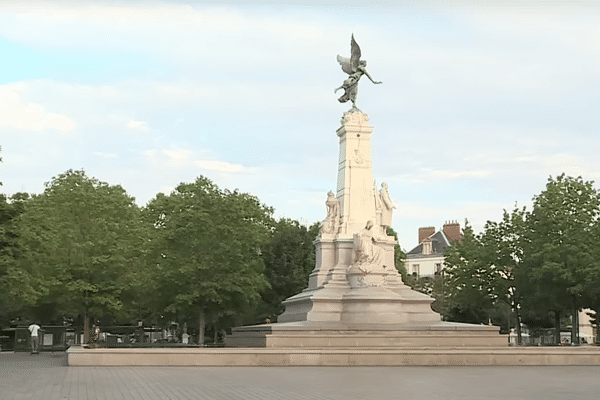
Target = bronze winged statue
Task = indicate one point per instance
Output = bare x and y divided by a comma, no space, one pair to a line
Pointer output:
355,68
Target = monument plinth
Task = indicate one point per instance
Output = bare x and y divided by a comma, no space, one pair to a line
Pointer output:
355,296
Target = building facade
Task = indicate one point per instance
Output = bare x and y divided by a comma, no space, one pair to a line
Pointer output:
427,258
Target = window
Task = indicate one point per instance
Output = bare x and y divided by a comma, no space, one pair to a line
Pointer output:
415,269
427,247
438,267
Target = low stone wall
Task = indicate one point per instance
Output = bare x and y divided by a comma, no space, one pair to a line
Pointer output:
589,355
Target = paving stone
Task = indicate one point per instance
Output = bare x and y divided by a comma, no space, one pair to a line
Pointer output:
47,376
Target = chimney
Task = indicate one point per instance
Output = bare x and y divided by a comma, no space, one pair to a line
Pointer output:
452,231
424,233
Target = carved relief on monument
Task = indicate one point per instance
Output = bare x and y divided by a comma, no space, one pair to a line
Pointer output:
388,207
342,153
358,157
355,118
378,206
368,259
332,223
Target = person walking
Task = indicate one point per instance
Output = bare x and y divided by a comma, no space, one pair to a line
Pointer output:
35,339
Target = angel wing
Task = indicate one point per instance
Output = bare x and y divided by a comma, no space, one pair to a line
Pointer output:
354,54
346,64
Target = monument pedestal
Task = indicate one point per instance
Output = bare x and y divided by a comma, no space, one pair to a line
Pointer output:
329,335
355,296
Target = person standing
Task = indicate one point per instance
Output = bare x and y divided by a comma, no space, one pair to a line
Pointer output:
35,339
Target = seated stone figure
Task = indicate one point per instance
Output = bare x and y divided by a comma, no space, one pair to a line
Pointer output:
369,256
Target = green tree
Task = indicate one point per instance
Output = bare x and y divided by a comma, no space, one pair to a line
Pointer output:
14,284
207,250
542,307
399,255
84,240
564,254
17,285
468,278
503,255
592,292
289,259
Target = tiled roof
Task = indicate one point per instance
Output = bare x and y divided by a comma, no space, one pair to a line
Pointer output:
439,242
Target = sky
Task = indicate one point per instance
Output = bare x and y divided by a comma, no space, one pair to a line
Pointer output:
481,102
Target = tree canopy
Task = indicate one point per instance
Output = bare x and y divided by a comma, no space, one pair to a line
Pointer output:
82,243
206,249
289,258
563,232
205,254
539,263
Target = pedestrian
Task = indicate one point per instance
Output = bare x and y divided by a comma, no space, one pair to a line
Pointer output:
95,336
35,339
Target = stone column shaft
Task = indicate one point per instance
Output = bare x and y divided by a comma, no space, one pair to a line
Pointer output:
355,174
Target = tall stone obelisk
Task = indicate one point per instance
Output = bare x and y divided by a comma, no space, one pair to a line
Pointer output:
355,190
356,197
334,281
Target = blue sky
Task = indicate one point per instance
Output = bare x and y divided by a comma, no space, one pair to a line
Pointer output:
480,102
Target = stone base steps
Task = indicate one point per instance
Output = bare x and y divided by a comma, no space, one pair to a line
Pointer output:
255,357
327,335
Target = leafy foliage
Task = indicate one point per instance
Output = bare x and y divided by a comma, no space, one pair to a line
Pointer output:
563,244
469,279
503,254
541,264
82,243
84,248
289,259
206,249
15,283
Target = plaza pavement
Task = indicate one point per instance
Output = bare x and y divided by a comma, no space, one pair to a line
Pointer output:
47,376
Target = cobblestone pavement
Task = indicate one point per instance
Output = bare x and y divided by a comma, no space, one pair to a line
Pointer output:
47,376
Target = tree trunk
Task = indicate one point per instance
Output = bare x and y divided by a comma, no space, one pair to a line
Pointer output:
86,328
574,322
216,335
557,327
202,324
596,340
518,315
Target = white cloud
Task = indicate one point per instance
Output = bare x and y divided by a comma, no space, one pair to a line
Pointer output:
541,164
31,116
576,26
138,96
57,121
430,174
178,156
184,158
410,216
166,189
221,166
137,125
150,154
185,33
105,155
557,163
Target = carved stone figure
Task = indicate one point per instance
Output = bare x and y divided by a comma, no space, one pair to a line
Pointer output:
369,256
355,68
378,206
388,206
332,222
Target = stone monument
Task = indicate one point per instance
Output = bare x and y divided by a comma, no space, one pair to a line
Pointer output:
355,296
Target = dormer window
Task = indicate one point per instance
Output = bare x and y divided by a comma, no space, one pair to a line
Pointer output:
427,246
